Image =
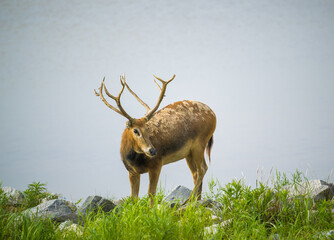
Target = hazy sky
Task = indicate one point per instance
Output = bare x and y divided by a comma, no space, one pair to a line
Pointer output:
264,67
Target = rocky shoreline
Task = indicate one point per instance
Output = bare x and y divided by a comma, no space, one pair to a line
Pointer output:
69,215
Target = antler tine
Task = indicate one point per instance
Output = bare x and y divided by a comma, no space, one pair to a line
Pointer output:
111,96
120,109
163,80
100,94
135,95
162,94
157,84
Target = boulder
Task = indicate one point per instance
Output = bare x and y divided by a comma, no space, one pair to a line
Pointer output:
15,197
58,210
70,226
64,225
178,195
93,203
90,204
316,189
106,205
209,203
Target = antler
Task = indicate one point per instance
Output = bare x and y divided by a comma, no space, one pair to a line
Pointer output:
120,110
117,99
136,96
150,113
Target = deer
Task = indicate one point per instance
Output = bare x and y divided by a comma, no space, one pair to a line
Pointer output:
183,129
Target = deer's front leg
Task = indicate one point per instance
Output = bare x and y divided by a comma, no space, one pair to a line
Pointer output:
134,183
154,174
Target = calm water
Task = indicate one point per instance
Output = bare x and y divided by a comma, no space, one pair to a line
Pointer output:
266,69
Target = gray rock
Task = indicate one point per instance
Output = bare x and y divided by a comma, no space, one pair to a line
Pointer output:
15,197
56,209
178,195
209,203
106,205
93,203
64,225
70,226
90,204
316,189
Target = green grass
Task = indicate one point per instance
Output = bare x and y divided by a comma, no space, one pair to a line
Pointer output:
250,213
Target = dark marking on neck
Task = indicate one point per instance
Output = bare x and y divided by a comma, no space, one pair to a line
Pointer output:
137,160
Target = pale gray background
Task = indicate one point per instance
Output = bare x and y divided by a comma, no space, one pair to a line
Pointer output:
265,67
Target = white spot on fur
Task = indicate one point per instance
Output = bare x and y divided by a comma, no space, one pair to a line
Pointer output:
179,114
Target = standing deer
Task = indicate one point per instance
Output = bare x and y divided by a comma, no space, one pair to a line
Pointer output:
180,130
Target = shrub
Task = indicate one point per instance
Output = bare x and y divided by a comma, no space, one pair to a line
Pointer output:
35,193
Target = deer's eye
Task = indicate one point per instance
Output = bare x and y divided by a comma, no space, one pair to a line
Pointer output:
136,132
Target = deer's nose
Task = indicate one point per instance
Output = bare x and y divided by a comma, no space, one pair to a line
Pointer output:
153,151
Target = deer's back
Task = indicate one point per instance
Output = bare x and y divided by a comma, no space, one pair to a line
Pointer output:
180,124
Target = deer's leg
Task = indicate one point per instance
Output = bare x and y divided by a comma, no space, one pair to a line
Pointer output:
192,167
198,161
134,183
204,168
153,174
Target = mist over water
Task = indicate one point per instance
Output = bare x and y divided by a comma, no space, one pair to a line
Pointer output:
265,68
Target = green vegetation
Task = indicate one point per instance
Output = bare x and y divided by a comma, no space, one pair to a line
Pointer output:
266,211
259,213
35,193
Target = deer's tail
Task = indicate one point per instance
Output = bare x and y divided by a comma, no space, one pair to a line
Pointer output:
208,148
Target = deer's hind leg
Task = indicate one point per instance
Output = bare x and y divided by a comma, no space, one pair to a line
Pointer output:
198,168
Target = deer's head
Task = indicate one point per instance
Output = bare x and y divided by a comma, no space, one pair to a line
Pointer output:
136,132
